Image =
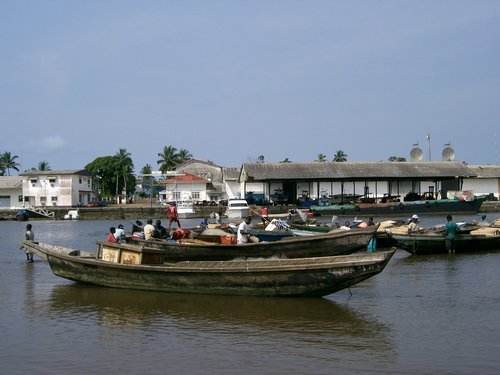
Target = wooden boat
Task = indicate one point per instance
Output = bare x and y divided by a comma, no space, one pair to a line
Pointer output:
422,207
434,242
337,242
135,267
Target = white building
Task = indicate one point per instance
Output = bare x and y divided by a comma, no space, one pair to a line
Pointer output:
63,188
185,187
11,192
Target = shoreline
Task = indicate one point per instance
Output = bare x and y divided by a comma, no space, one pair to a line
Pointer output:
140,210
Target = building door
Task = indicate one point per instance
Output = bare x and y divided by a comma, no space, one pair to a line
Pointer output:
4,201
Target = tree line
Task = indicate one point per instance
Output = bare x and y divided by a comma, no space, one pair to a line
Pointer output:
114,175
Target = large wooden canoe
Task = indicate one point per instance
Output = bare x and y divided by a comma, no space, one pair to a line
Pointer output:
336,242
316,276
434,242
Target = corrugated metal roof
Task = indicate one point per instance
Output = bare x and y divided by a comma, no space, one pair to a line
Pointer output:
11,182
486,171
354,170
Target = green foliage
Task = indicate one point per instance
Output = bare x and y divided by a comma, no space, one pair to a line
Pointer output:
321,158
169,158
396,158
111,174
340,156
8,162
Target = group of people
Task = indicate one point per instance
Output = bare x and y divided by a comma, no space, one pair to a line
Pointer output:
450,228
149,230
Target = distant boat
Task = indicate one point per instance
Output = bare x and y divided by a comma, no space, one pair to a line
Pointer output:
72,215
434,242
237,209
421,207
134,267
185,209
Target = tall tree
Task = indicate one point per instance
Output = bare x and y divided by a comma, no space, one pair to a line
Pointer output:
184,155
340,156
168,159
44,166
285,160
8,162
125,166
104,173
261,159
321,158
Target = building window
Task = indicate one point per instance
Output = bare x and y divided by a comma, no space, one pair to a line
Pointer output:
52,181
176,195
20,198
195,194
80,180
33,182
54,199
43,201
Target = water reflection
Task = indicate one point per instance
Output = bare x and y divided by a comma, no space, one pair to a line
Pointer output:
312,319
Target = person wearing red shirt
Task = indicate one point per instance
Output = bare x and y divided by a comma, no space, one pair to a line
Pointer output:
172,215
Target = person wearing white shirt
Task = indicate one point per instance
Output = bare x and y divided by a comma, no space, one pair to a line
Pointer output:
243,231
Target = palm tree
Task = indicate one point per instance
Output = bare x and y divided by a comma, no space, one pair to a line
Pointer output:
44,166
184,155
124,166
321,158
8,162
168,159
260,159
285,160
340,156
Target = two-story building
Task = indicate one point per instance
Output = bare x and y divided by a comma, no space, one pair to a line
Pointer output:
63,188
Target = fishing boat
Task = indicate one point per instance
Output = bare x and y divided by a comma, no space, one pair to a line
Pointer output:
135,267
405,208
433,242
336,242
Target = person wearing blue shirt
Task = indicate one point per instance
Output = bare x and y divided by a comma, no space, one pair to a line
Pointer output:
451,234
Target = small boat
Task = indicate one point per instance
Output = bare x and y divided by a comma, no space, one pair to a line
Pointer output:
71,215
185,209
237,209
336,242
135,267
433,242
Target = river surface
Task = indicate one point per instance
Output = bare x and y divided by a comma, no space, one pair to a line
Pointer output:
422,315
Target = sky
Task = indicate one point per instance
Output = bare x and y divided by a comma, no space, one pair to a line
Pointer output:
230,81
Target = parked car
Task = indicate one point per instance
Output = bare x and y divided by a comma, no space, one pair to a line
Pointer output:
96,204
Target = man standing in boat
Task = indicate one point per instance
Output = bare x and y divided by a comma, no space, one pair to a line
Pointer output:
451,234
172,215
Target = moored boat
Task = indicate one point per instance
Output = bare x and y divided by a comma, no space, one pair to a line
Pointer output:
433,242
422,207
237,209
135,267
336,242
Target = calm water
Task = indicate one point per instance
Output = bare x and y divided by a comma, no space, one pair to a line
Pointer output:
422,315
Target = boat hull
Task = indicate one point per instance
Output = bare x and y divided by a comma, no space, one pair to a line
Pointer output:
276,277
337,242
436,244
429,207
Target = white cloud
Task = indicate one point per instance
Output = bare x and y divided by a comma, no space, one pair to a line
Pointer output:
54,142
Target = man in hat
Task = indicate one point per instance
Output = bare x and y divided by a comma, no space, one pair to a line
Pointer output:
414,227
